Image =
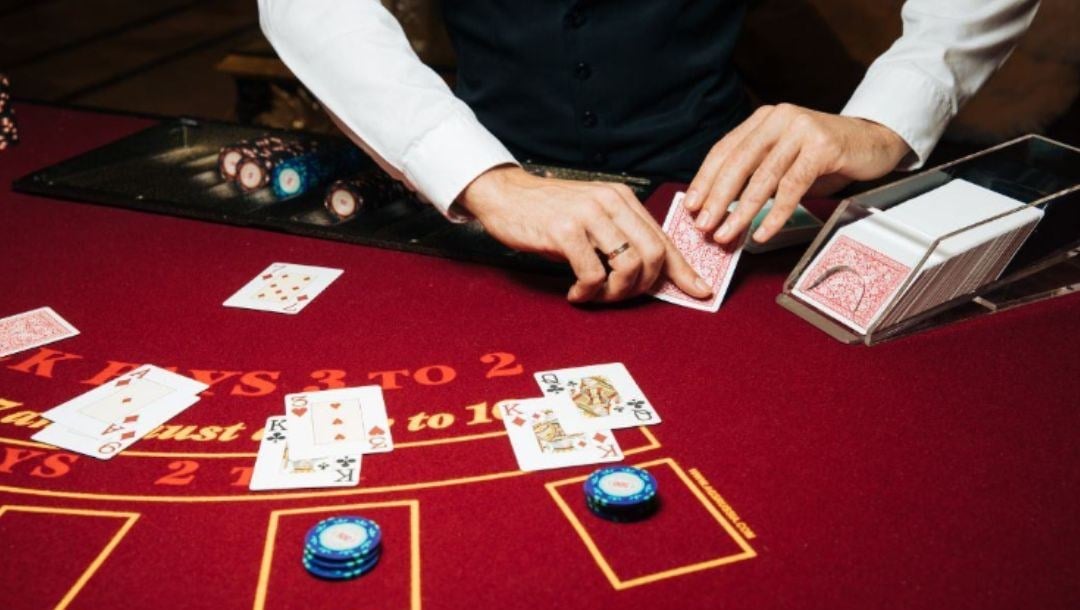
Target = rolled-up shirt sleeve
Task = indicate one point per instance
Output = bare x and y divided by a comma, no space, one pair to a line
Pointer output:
948,49
355,58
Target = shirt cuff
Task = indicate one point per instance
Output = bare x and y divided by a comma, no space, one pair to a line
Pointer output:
906,101
442,162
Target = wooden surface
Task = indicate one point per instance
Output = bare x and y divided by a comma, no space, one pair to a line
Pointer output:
155,57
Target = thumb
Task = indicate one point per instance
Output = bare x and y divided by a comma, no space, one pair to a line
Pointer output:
683,275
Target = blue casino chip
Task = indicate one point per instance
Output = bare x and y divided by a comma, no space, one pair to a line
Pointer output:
343,538
347,566
325,565
300,174
296,176
340,574
620,487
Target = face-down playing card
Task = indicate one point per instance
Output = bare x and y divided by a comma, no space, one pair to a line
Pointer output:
852,281
715,263
32,329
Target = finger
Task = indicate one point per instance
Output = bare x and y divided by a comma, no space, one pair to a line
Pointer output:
674,266
710,167
799,177
679,271
625,267
579,252
738,167
761,186
623,278
648,242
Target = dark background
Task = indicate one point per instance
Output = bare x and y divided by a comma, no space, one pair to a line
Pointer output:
208,59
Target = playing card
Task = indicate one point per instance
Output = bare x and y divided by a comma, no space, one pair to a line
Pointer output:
104,443
275,468
713,262
543,435
283,288
601,394
349,420
66,438
130,406
852,281
33,328
857,275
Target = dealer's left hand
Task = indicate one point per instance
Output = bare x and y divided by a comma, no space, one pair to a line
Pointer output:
785,152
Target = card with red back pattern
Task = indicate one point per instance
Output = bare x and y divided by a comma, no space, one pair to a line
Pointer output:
33,329
715,263
852,281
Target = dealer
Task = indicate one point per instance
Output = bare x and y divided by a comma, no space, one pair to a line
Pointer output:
642,86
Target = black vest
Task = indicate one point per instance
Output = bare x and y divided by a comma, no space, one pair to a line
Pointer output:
642,86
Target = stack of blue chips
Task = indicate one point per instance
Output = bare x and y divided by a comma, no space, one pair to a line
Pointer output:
298,175
622,493
342,548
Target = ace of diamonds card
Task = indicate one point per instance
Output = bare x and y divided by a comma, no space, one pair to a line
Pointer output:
113,416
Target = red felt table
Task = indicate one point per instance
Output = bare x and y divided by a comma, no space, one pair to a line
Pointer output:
936,471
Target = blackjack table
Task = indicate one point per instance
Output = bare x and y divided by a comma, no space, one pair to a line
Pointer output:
939,470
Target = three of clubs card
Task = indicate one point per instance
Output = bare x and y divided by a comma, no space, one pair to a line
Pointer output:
345,421
283,288
602,394
715,263
113,416
544,433
276,468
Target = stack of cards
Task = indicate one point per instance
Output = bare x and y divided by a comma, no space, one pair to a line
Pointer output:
320,439
713,262
283,288
110,418
32,329
864,266
572,424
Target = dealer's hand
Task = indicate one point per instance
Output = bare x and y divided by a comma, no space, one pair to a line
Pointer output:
573,221
785,152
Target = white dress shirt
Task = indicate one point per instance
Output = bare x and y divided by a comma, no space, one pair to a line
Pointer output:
354,56
947,51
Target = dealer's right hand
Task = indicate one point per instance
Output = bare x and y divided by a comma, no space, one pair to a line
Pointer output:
580,222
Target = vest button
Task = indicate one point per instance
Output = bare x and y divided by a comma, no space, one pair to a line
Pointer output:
582,71
588,118
575,19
